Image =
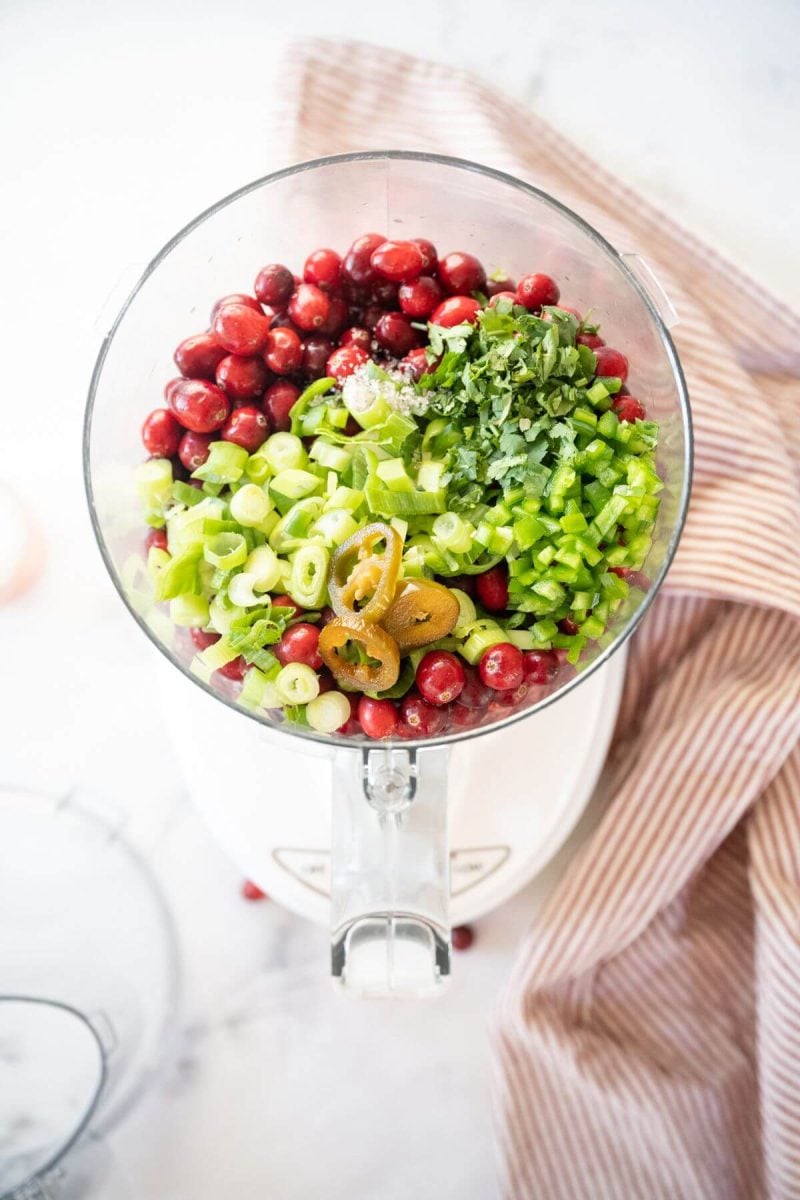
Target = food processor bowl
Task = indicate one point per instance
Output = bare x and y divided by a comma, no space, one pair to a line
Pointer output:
389,857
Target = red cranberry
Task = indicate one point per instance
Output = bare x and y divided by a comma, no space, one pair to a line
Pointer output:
455,311
384,293
511,698
193,450
202,639
338,318
461,273
352,427
371,315
591,340
326,616
500,287
398,261
420,298
235,298
462,937
357,336
323,268
492,588
610,363
429,254
199,406
628,408
247,427
274,285
170,386
357,266
512,296
156,540
475,693
283,601
501,667
465,718
568,626
378,718
316,352
417,362
309,307
534,291
251,891
197,357
465,583
396,334
299,645
440,677
236,669
241,330
282,321
242,378
636,579
279,400
345,361
161,433
326,682
284,351
540,666
425,719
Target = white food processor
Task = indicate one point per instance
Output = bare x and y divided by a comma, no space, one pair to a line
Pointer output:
389,842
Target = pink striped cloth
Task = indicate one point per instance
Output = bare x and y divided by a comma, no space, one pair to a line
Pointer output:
648,1044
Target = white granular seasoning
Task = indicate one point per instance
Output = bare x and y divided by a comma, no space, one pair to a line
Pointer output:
362,389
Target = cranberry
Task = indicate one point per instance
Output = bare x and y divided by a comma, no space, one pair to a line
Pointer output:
357,336
510,698
464,718
236,298
242,378
323,268
193,450
492,588
326,616
352,427
417,362
398,261
274,285
338,318
628,408
440,677
299,645
501,667
197,357
161,433
199,406
460,273
534,291
284,351
512,296
610,363
345,361
283,601
426,720
282,321
590,339
316,352
636,579
202,639
475,693
455,311
465,583
247,427
568,626
170,386
326,682
236,669
251,891
156,540
279,400
420,298
396,334
309,307
357,266
241,330
378,718
500,287
385,293
462,937
371,315
540,666
429,253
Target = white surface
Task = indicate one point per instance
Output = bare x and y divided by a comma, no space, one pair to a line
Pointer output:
121,121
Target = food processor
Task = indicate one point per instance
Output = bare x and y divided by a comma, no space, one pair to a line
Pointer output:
355,831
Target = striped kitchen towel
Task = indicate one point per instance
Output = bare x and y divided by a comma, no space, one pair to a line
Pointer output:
648,1044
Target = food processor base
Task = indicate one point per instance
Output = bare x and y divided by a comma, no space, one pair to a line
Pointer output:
514,795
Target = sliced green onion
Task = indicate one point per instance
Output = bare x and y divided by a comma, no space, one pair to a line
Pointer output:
392,472
523,639
451,532
334,526
226,551
333,458
297,683
189,611
180,576
384,503
284,452
294,484
222,614
157,560
309,579
263,566
467,612
250,505
226,463
154,486
240,591
259,691
482,634
328,712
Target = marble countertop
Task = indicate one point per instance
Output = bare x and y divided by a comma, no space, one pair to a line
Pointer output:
125,120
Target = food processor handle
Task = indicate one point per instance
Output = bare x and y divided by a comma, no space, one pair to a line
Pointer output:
390,872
